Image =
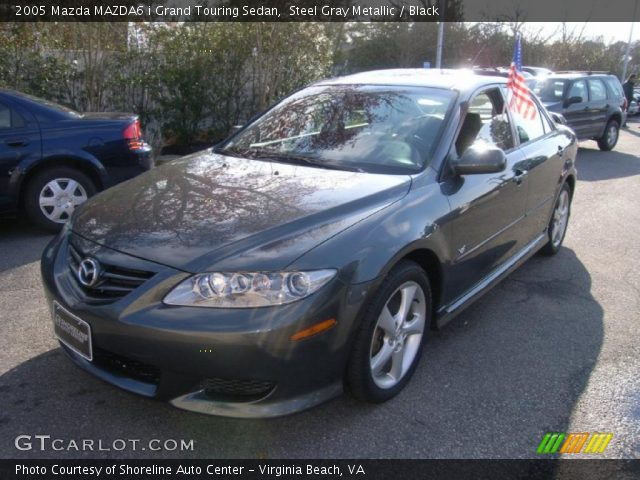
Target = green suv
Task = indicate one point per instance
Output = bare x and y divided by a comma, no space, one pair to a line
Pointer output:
593,104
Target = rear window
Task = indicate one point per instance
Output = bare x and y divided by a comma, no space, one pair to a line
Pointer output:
9,118
614,85
53,111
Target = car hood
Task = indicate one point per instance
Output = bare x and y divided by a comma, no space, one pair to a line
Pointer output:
209,211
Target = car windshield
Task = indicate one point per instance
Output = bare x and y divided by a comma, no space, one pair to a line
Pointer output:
377,129
549,89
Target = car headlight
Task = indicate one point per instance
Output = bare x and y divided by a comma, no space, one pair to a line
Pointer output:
247,290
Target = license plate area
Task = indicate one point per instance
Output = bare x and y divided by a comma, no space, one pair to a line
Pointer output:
72,331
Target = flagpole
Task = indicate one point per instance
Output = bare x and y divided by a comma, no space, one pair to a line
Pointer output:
440,40
507,99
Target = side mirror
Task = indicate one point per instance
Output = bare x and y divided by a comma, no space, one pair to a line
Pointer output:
572,100
481,159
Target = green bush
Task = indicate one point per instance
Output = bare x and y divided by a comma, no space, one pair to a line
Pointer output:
191,82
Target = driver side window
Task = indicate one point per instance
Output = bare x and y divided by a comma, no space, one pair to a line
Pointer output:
579,89
485,122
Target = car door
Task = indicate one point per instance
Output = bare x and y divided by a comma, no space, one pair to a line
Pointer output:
577,114
487,209
598,106
544,149
19,138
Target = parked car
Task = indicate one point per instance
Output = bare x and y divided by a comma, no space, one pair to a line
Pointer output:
499,72
537,71
634,106
313,249
53,158
529,78
593,104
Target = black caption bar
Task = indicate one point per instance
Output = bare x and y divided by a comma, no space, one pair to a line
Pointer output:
230,10
319,469
318,10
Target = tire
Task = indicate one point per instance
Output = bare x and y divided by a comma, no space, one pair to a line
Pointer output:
50,207
400,348
558,222
610,136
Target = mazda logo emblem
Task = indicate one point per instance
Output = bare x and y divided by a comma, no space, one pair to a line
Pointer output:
88,272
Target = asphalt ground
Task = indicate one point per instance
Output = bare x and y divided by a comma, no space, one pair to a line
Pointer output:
555,347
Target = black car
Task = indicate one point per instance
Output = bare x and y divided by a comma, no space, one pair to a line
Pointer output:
593,104
53,158
313,250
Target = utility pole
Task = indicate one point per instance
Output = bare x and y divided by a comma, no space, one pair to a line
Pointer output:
443,4
627,52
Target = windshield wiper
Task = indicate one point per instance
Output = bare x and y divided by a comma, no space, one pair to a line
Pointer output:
300,160
228,152
256,154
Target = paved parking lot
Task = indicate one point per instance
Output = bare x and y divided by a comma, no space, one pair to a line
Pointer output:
553,348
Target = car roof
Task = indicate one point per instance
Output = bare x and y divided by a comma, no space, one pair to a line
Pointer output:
451,79
40,104
572,75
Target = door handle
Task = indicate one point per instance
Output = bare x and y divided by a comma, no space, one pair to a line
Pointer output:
560,150
519,176
17,142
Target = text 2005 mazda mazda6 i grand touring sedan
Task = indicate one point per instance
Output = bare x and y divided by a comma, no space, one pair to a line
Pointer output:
314,249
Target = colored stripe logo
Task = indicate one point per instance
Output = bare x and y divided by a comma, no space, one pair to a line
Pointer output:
572,443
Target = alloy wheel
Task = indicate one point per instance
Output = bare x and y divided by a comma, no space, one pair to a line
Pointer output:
612,134
397,335
560,218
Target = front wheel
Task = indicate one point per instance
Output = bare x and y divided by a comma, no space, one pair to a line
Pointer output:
389,343
610,136
557,228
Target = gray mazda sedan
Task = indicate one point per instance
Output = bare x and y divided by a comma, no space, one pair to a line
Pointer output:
313,250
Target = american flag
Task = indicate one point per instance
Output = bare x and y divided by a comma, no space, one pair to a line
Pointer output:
520,98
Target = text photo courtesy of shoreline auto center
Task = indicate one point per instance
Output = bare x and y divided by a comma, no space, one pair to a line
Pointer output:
311,238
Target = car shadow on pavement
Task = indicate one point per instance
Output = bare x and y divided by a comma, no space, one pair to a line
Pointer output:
22,243
594,165
489,385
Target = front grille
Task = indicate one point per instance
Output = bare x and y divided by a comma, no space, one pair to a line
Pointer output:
114,281
245,389
134,369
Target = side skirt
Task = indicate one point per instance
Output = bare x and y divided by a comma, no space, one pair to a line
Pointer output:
449,312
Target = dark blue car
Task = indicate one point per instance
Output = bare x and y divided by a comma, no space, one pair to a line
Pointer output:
53,158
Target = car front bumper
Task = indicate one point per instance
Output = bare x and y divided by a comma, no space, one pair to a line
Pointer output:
232,362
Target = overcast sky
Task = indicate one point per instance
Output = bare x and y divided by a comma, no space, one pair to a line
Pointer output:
609,31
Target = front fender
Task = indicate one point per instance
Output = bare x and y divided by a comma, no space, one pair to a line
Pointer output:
369,249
